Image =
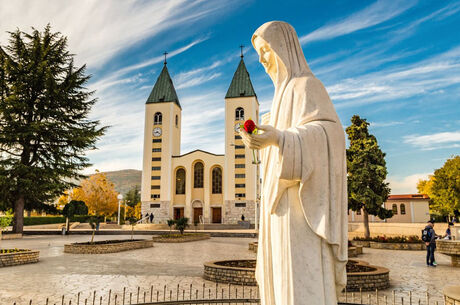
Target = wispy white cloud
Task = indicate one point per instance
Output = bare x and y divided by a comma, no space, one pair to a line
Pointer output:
434,141
425,77
385,124
199,80
99,30
374,14
115,78
405,184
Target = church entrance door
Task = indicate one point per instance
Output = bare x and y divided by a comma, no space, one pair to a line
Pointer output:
178,213
197,212
216,215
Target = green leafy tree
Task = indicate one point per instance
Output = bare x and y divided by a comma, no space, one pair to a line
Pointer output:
181,224
367,189
44,125
443,187
73,208
133,196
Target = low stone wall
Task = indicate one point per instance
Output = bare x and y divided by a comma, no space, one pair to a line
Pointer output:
375,277
397,246
362,243
451,248
80,248
24,256
452,295
352,252
187,237
391,229
6,236
253,246
215,272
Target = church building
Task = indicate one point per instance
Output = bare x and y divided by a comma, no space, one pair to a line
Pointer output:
200,185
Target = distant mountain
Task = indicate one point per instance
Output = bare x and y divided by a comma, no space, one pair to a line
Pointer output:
125,179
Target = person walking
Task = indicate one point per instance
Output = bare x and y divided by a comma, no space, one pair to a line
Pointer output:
151,217
429,237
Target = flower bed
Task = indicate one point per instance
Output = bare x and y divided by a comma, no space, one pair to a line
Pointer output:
180,238
237,272
397,246
361,275
14,257
392,243
107,246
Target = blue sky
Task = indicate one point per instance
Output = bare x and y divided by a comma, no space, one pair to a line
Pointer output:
395,63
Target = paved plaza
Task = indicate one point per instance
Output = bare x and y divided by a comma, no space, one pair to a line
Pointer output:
60,273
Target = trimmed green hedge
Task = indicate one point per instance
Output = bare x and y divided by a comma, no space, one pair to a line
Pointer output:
46,220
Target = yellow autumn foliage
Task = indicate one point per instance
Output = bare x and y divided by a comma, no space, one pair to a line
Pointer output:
98,193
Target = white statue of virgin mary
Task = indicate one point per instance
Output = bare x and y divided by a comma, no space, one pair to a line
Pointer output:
302,250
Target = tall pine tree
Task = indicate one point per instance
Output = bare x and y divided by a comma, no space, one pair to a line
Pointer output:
367,189
44,125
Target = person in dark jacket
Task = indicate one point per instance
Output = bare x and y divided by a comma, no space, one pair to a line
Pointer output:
151,217
430,245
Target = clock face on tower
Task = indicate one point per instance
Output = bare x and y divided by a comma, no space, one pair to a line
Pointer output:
156,131
237,127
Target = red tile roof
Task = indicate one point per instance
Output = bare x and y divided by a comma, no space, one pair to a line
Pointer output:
408,196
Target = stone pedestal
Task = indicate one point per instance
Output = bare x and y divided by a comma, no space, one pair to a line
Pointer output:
451,248
452,295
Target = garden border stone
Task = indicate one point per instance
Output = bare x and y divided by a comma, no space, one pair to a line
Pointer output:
397,246
25,256
122,245
188,237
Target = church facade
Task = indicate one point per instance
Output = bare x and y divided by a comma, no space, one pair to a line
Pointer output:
199,185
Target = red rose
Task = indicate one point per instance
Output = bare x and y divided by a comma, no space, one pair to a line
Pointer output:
249,126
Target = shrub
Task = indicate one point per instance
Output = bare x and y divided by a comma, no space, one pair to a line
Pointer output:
181,224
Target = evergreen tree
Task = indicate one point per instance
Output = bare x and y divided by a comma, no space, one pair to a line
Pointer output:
133,196
44,125
367,189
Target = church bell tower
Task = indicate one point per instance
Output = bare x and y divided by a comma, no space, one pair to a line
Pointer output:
162,132
241,175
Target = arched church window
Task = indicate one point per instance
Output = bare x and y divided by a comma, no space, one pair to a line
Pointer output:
402,208
180,181
177,120
198,175
394,207
239,114
217,180
157,118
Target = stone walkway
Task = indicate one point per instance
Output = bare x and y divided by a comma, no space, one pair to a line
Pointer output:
59,273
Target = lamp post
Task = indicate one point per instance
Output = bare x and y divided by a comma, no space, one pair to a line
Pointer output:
120,198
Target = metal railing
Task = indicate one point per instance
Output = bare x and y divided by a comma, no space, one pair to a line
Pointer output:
219,294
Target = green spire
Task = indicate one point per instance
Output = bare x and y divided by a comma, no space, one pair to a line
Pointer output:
163,91
241,85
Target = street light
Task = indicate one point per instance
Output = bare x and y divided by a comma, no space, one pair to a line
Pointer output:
120,198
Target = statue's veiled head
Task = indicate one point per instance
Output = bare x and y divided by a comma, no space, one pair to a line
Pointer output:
279,50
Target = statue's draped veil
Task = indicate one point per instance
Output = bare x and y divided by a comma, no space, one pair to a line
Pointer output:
283,40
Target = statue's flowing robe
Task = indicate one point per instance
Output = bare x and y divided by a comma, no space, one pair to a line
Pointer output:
302,250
